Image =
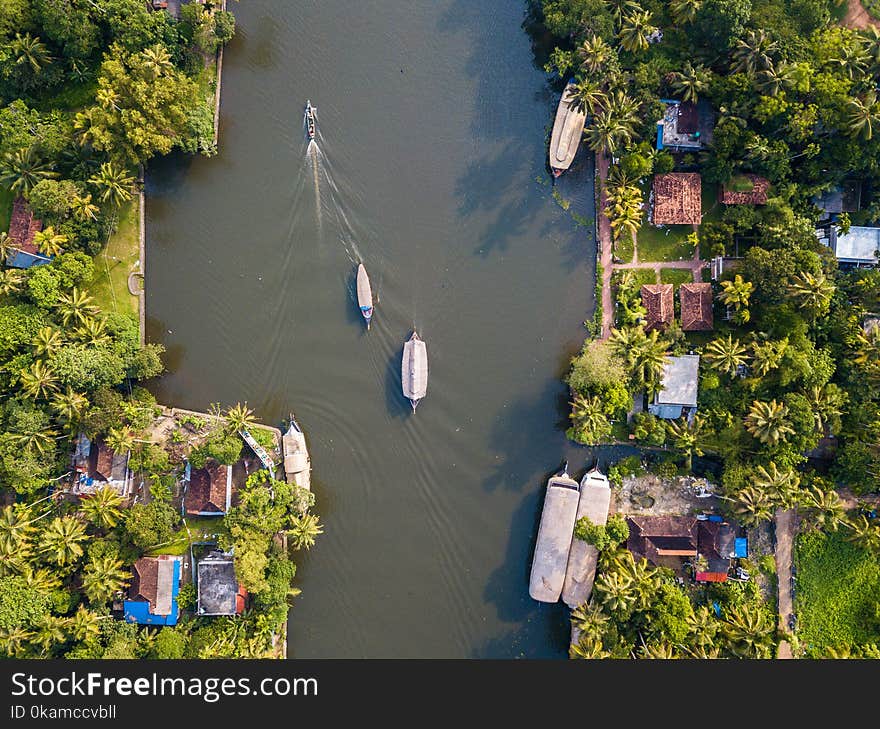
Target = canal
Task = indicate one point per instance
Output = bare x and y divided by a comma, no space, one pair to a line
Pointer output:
430,168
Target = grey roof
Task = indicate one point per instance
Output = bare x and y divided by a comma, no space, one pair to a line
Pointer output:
554,539
859,245
164,587
680,381
217,585
580,572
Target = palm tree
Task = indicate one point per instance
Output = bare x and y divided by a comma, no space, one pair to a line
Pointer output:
863,114
16,527
752,506
38,380
42,579
685,436
588,647
767,422
93,331
767,355
156,60
615,593
635,28
119,440
11,281
703,627
749,631
644,354
607,134
684,11
48,242
14,640
659,651
240,417
30,51
304,529
84,209
77,306
726,354
589,618
865,533
61,541
6,246
588,414
736,293
691,81
827,403
771,81
779,486
84,624
824,509
754,52
594,54
812,292
102,578
588,96
21,170
41,440
70,406
102,508
51,631
113,184
853,59
48,341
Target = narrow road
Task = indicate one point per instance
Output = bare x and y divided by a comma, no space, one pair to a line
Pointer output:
605,246
786,526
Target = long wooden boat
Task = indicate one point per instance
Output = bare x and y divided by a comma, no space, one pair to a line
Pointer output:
364,294
414,369
594,502
554,537
568,128
310,119
297,462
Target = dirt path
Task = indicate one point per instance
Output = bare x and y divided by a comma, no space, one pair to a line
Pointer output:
856,16
605,247
786,527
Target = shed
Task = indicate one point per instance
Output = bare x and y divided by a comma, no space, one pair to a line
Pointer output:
23,226
860,245
219,591
711,577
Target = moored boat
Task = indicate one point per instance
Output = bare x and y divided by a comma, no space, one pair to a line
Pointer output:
310,119
297,462
364,294
568,128
554,537
414,369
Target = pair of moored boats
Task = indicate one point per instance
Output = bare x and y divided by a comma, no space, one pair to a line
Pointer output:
564,565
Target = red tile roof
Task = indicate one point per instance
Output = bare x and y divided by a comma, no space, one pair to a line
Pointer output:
23,226
677,199
100,461
696,306
207,489
756,196
659,304
711,577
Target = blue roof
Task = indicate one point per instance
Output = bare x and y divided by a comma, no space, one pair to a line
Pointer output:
659,135
138,611
740,548
22,259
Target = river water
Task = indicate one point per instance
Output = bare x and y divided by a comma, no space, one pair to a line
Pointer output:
430,167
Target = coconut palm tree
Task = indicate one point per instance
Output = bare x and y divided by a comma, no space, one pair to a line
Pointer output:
684,11
644,354
853,59
113,184
779,486
48,242
103,507
21,170
726,354
304,530
76,306
691,81
14,641
11,281
771,81
28,50
749,631
51,632
119,440
588,647
827,403
16,527
686,438
767,422
594,54
588,418
812,292
84,624
864,533
624,108
6,246
635,29
93,331
83,208
752,506
661,650
240,417
32,439
767,355
868,351
589,618
41,578
754,52
38,380
823,509
70,406
48,341
607,134
156,60
863,114
61,540
615,593
102,578
588,96
736,294
702,626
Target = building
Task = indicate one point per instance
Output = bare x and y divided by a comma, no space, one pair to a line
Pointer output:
659,304
859,246
23,226
678,394
685,126
219,591
152,595
746,189
677,199
95,465
696,307
843,198
207,490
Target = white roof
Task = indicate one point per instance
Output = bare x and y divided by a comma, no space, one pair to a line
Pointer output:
859,244
680,381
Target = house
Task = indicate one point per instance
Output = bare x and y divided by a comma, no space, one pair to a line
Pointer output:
679,384
219,591
659,304
95,465
859,246
746,189
207,490
152,594
696,307
685,126
677,199
664,540
23,226
843,198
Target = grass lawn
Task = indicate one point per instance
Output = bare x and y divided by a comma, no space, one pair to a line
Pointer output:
665,244
676,276
639,276
6,198
623,248
201,529
115,262
838,592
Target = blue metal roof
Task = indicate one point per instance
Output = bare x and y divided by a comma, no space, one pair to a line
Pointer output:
138,611
22,259
659,135
740,547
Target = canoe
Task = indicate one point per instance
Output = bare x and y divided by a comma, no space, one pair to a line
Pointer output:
594,502
364,294
568,128
554,537
414,369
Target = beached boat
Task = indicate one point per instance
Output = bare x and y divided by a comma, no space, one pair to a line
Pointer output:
310,119
554,537
297,463
364,294
568,128
595,499
414,369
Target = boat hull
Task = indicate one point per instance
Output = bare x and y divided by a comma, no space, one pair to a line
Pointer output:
414,370
364,294
568,128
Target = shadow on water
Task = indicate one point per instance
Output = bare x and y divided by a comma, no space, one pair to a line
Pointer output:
259,48
397,405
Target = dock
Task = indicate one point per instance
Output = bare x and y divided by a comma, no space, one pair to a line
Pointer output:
264,457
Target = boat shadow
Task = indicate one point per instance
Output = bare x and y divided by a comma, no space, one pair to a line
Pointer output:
396,404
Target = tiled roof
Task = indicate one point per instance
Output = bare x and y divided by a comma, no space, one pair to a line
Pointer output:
756,196
207,489
23,226
152,580
660,305
677,199
696,306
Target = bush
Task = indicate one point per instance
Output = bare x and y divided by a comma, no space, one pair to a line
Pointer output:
150,524
591,533
617,529
629,466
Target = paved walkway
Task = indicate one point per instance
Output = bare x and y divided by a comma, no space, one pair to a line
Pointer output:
786,528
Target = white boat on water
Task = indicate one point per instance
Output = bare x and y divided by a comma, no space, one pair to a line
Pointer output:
310,119
297,463
364,294
554,537
414,369
568,128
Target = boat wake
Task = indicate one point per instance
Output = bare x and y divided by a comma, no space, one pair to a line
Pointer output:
313,152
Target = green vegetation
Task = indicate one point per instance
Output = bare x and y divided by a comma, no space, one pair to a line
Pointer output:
676,276
669,243
109,287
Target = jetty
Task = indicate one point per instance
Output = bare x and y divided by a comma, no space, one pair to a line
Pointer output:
594,502
554,537
264,457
